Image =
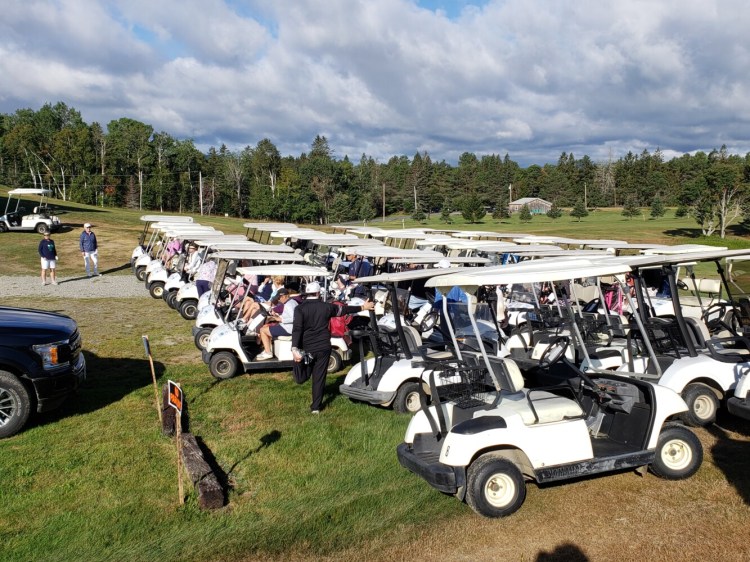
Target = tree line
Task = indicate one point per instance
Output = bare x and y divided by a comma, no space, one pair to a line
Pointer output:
128,164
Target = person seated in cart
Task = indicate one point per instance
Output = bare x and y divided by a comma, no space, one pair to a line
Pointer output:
280,325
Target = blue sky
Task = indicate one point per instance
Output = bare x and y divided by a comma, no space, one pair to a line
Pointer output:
530,78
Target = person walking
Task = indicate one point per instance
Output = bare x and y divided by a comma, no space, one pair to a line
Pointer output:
89,250
311,336
48,255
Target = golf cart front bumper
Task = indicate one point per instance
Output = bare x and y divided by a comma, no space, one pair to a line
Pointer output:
447,479
739,408
366,395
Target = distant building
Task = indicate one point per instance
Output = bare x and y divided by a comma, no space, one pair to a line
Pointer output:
536,205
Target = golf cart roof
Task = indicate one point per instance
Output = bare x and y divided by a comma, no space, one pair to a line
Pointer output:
603,245
483,245
295,233
486,234
434,240
388,252
411,275
257,256
229,242
436,259
349,242
269,225
317,235
682,249
365,230
180,219
290,269
687,258
539,271
180,227
29,191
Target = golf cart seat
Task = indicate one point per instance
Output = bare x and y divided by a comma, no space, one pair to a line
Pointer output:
535,405
414,342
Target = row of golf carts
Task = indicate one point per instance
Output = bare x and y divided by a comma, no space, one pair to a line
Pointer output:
563,364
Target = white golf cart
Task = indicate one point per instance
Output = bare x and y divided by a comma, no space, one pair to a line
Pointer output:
232,348
40,220
147,220
156,249
485,434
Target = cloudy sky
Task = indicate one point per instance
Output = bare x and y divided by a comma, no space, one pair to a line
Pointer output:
531,78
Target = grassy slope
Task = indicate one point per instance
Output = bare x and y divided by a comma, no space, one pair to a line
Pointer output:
96,481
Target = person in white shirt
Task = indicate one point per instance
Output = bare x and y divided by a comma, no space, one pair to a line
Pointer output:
282,328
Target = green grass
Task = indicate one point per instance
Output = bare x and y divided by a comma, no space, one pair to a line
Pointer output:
96,480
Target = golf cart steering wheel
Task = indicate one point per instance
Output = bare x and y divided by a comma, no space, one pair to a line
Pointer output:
713,317
681,285
554,351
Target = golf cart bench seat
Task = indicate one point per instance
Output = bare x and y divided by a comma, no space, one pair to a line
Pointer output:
283,338
417,348
702,285
532,405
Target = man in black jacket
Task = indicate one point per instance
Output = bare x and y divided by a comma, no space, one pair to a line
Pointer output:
311,335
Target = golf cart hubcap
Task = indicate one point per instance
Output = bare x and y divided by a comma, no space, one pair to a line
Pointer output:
412,402
703,407
7,406
223,367
676,454
499,490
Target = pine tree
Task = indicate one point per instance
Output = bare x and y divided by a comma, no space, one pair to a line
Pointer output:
630,209
524,214
579,211
445,214
473,209
554,212
657,208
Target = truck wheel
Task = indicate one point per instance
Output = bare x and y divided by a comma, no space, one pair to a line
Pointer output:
679,453
140,273
335,362
15,404
156,289
495,487
41,228
224,365
189,309
702,405
407,398
201,338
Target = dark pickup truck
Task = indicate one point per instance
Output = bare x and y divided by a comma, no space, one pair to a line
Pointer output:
40,364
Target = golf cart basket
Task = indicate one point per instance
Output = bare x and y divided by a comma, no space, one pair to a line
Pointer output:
463,385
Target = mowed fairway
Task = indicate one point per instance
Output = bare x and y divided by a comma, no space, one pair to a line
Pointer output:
97,481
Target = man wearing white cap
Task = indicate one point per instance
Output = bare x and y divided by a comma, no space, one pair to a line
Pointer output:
89,250
312,337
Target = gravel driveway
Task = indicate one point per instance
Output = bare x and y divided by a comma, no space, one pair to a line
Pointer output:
111,286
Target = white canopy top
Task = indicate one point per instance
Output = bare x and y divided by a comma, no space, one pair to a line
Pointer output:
270,225
682,249
230,242
29,191
290,269
297,233
388,252
486,234
436,259
410,275
603,245
167,219
257,256
355,242
684,258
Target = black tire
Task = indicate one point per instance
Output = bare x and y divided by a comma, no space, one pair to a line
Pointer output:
3,228
702,405
224,365
407,398
171,298
334,362
15,404
201,338
679,453
41,228
495,487
156,290
140,273
189,309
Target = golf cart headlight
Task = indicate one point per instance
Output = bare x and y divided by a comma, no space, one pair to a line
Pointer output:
52,354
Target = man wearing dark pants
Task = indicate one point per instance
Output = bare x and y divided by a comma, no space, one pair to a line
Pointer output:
311,335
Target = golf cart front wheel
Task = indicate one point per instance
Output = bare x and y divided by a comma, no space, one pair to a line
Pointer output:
189,309
335,362
224,365
171,298
201,338
140,273
495,487
679,453
702,405
156,290
42,228
407,398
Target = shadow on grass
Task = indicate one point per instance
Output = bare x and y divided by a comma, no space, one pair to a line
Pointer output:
730,455
566,552
108,380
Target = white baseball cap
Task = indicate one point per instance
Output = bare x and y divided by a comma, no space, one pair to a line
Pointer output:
312,288
443,264
87,225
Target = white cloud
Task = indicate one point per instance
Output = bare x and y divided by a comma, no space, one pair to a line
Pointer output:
529,77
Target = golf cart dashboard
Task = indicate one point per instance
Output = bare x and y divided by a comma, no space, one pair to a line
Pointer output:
621,395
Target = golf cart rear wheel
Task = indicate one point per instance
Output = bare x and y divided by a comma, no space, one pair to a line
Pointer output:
702,405
224,365
156,290
189,309
15,404
201,338
679,453
41,228
407,398
495,487
335,362
140,273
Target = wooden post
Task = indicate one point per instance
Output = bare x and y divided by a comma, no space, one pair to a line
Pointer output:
178,441
147,347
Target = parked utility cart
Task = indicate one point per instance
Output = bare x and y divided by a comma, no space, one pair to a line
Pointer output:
485,434
41,219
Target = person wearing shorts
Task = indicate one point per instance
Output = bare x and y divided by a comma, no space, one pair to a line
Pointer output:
283,328
48,255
